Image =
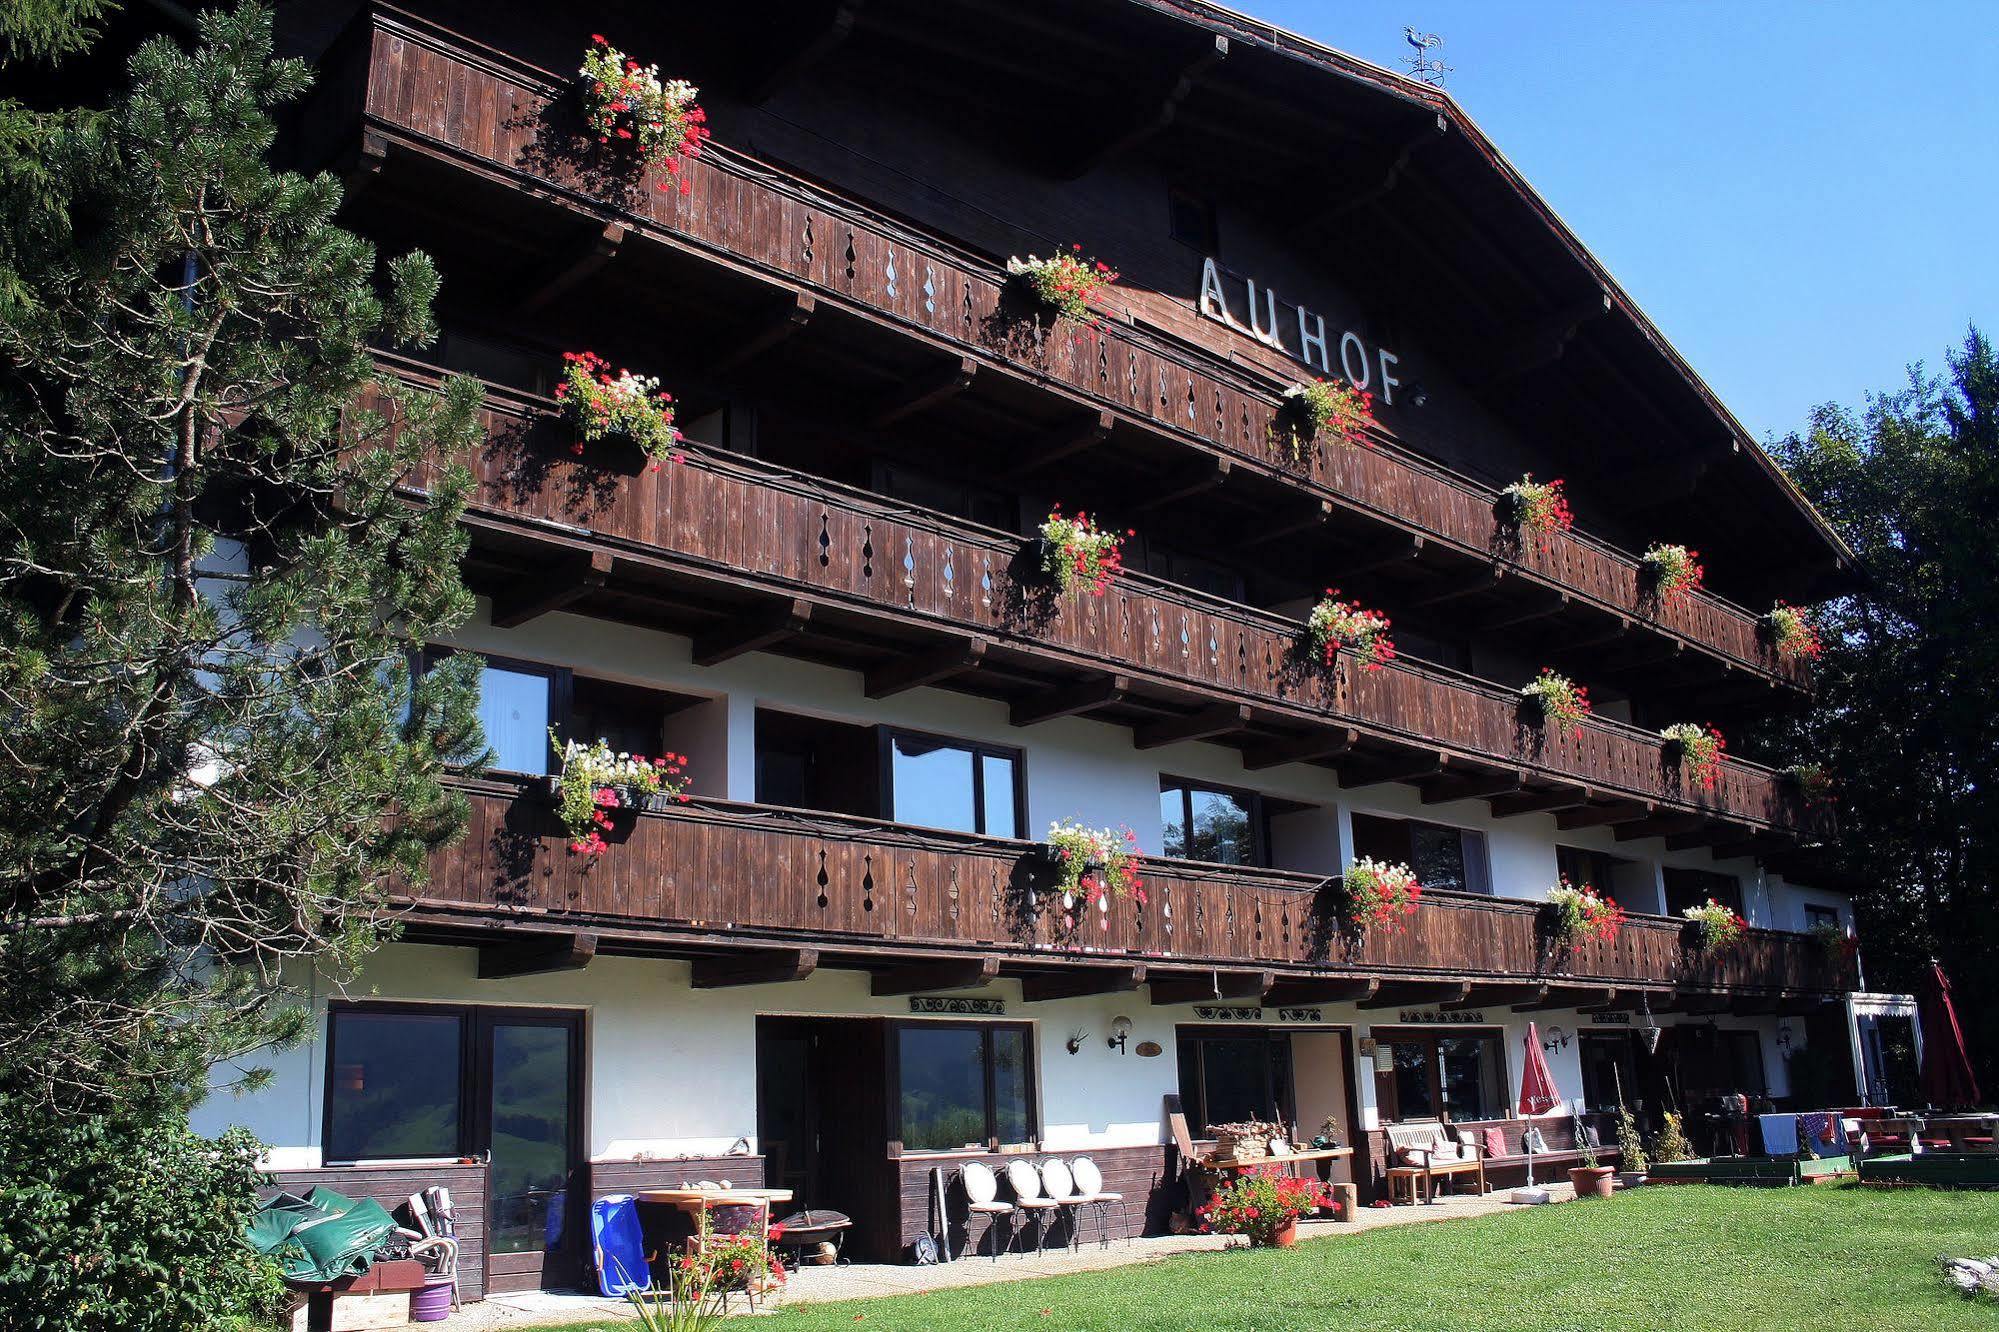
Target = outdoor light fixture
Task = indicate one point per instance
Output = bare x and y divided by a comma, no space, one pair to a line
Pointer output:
1557,1039
1120,1029
1784,1037
1647,1026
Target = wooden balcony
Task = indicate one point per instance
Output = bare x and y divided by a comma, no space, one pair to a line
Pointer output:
461,118
740,556
758,894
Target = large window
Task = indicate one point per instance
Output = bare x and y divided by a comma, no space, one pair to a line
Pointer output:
963,1085
1456,1075
393,1081
1443,857
1691,887
1817,917
1229,1076
935,782
516,708
1210,823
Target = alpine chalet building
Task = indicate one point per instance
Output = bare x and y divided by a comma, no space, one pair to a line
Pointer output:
1237,577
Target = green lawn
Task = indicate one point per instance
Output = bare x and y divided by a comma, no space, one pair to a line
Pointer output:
1830,1259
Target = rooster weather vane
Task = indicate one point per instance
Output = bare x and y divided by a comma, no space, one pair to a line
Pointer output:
1424,65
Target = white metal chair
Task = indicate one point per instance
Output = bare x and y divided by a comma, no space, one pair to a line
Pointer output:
1090,1193
1025,1181
982,1199
1060,1187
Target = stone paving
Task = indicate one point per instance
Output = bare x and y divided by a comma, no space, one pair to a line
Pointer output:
815,1285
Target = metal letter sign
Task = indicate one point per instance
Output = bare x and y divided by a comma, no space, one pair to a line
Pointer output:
1260,303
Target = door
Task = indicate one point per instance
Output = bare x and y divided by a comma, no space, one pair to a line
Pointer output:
1610,1069
529,1119
822,1123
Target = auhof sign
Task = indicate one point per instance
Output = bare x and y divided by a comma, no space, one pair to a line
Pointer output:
1302,335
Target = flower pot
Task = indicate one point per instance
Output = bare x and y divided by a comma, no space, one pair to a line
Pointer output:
1284,1236
1630,1179
1591,1181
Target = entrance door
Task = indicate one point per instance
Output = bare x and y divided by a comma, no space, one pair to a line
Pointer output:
822,1122
1610,1069
528,1112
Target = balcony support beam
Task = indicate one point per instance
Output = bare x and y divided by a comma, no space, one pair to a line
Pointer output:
572,269
531,957
1212,987
1569,996
1311,519
752,633
1089,156
568,582
1327,990
1702,1003
1077,982
1551,603
924,977
1209,474
1318,745
1409,768
925,668
1712,832
1496,994
1616,1001
1062,441
923,390
1209,723
1604,816
1418,994
1659,825
1395,550
1069,700
1481,580
1476,786
790,314
1538,802
811,48
775,966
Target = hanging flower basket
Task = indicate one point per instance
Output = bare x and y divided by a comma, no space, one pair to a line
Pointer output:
1075,552
1792,634
622,407
1578,914
1335,624
628,105
1068,283
1715,926
1095,866
1812,782
1539,507
1379,895
1332,409
1672,573
1696,749
595,783
1552,697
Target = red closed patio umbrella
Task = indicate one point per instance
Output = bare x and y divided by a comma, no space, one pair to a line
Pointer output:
1947,1076
1537,1084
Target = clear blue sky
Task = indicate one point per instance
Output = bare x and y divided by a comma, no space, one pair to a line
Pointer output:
1803,196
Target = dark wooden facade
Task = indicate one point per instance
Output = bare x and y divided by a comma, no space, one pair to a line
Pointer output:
392,1184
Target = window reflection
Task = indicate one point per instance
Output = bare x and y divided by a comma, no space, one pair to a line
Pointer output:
939,783
514,712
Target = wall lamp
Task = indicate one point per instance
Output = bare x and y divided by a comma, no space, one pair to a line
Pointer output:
1120,1030
1557,1039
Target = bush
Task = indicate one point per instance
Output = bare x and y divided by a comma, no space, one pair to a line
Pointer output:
112,1226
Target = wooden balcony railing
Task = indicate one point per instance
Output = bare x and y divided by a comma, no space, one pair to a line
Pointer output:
759,874
477,108
741,524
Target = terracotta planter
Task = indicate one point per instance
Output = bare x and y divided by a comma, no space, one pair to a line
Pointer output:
1284,1236
1591,1181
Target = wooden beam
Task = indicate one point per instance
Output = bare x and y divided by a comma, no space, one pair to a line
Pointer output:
1568,996
572,269
1344,202
1210,722
924,668
1325,990
1702,1003
1417,994
1495,994
809,49
1658,826
921,391
1475,786
1553,604
569,581
1213,986
1541,342
790,314
1409,768
1211,473
1537,802
1088,157
1617,1000
752,632
775,966
951,974
1068,700
1059,442
1480,580
1311,519
1712,832
1756,844
530,957
1618,627
1601,816
1303,749
1391,551
1079,981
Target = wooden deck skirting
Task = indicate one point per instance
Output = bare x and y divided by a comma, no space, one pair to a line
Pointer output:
738,522
405,81
713,873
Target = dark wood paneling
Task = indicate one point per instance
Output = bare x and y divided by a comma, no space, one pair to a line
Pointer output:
607,1177
391,1186
714,866
478,108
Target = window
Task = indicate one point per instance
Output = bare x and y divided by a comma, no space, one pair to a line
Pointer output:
393,1082
1444,858
1229,1076
516,708
1192,571
963,1085
811,763
939,783
1628,883
962,499
1815,916
1190,219
1456,1075
1210,823
628,718
1691,887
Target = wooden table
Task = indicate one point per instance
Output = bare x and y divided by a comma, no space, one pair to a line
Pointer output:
1960,1129
1311,1154
696,1202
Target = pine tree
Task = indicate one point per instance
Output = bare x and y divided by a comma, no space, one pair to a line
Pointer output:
216,760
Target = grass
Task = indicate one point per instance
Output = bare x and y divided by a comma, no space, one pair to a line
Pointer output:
1693,1257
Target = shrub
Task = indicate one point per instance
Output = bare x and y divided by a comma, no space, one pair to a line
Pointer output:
1670,1143
1259,1203
109,1225
1630,1146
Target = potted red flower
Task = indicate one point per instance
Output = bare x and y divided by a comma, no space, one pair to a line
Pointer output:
1263,1207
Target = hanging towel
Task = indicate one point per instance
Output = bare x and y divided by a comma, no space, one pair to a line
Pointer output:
1780,1134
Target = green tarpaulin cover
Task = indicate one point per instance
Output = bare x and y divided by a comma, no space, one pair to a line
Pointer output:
322,1236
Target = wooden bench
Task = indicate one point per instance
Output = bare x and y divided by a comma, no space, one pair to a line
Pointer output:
1421,1152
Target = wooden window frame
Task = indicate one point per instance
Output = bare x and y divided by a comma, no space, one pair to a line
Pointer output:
1428,1037
467,1040
892,1058
1204,1033
886,738
1259,819
561,682
1464,863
